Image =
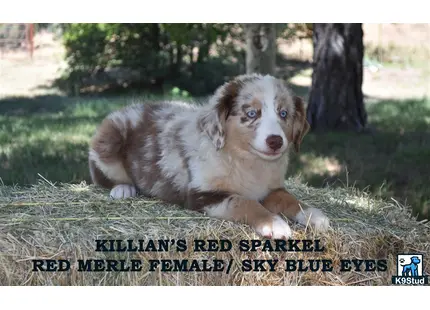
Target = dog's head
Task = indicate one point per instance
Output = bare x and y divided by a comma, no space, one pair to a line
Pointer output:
415,260
255,114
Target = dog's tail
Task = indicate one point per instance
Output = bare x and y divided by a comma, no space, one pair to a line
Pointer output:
107,156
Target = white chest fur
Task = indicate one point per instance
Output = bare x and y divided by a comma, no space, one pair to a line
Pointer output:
251,178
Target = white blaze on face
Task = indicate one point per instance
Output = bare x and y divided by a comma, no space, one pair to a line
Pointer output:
269,123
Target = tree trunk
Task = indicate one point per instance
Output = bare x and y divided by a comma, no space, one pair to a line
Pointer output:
336,97
260,48
176,65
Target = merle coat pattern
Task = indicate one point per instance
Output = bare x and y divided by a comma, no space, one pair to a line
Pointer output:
227,158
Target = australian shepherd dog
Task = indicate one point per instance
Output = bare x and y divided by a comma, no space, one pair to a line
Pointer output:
227,158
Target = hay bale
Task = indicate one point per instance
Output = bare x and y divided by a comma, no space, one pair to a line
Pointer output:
48,221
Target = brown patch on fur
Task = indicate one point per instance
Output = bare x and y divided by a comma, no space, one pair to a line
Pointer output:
108,142
214,122
146,179
220,183
251,125
138,137
197,200
98,177
228,100
128,145
243,119
237,137
226,104
281,202
239,209
182,152
256,104
247,211
233,112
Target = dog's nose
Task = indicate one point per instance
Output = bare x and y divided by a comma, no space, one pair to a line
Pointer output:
274,142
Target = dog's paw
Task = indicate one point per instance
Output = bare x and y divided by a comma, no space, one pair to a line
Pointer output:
275,228
123,191
314,217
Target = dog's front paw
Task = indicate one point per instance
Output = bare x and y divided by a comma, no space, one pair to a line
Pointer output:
314,217
123,191
274,228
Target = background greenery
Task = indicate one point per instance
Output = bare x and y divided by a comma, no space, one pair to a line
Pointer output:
195,57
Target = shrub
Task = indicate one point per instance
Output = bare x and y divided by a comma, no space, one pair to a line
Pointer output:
159,53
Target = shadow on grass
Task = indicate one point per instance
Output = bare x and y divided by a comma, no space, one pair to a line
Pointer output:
26,106
65,161
48,135
393,161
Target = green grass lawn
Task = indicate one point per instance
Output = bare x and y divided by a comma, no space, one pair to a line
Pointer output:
49,135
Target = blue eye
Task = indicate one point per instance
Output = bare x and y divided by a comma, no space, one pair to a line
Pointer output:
251,114
283,114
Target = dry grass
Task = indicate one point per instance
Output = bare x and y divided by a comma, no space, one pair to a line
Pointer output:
49,221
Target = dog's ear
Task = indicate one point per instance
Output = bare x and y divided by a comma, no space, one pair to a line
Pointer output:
213,121
300,124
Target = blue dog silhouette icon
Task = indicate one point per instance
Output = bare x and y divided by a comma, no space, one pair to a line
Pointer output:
412,268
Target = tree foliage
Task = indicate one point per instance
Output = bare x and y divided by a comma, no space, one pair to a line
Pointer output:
160,53
193,57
